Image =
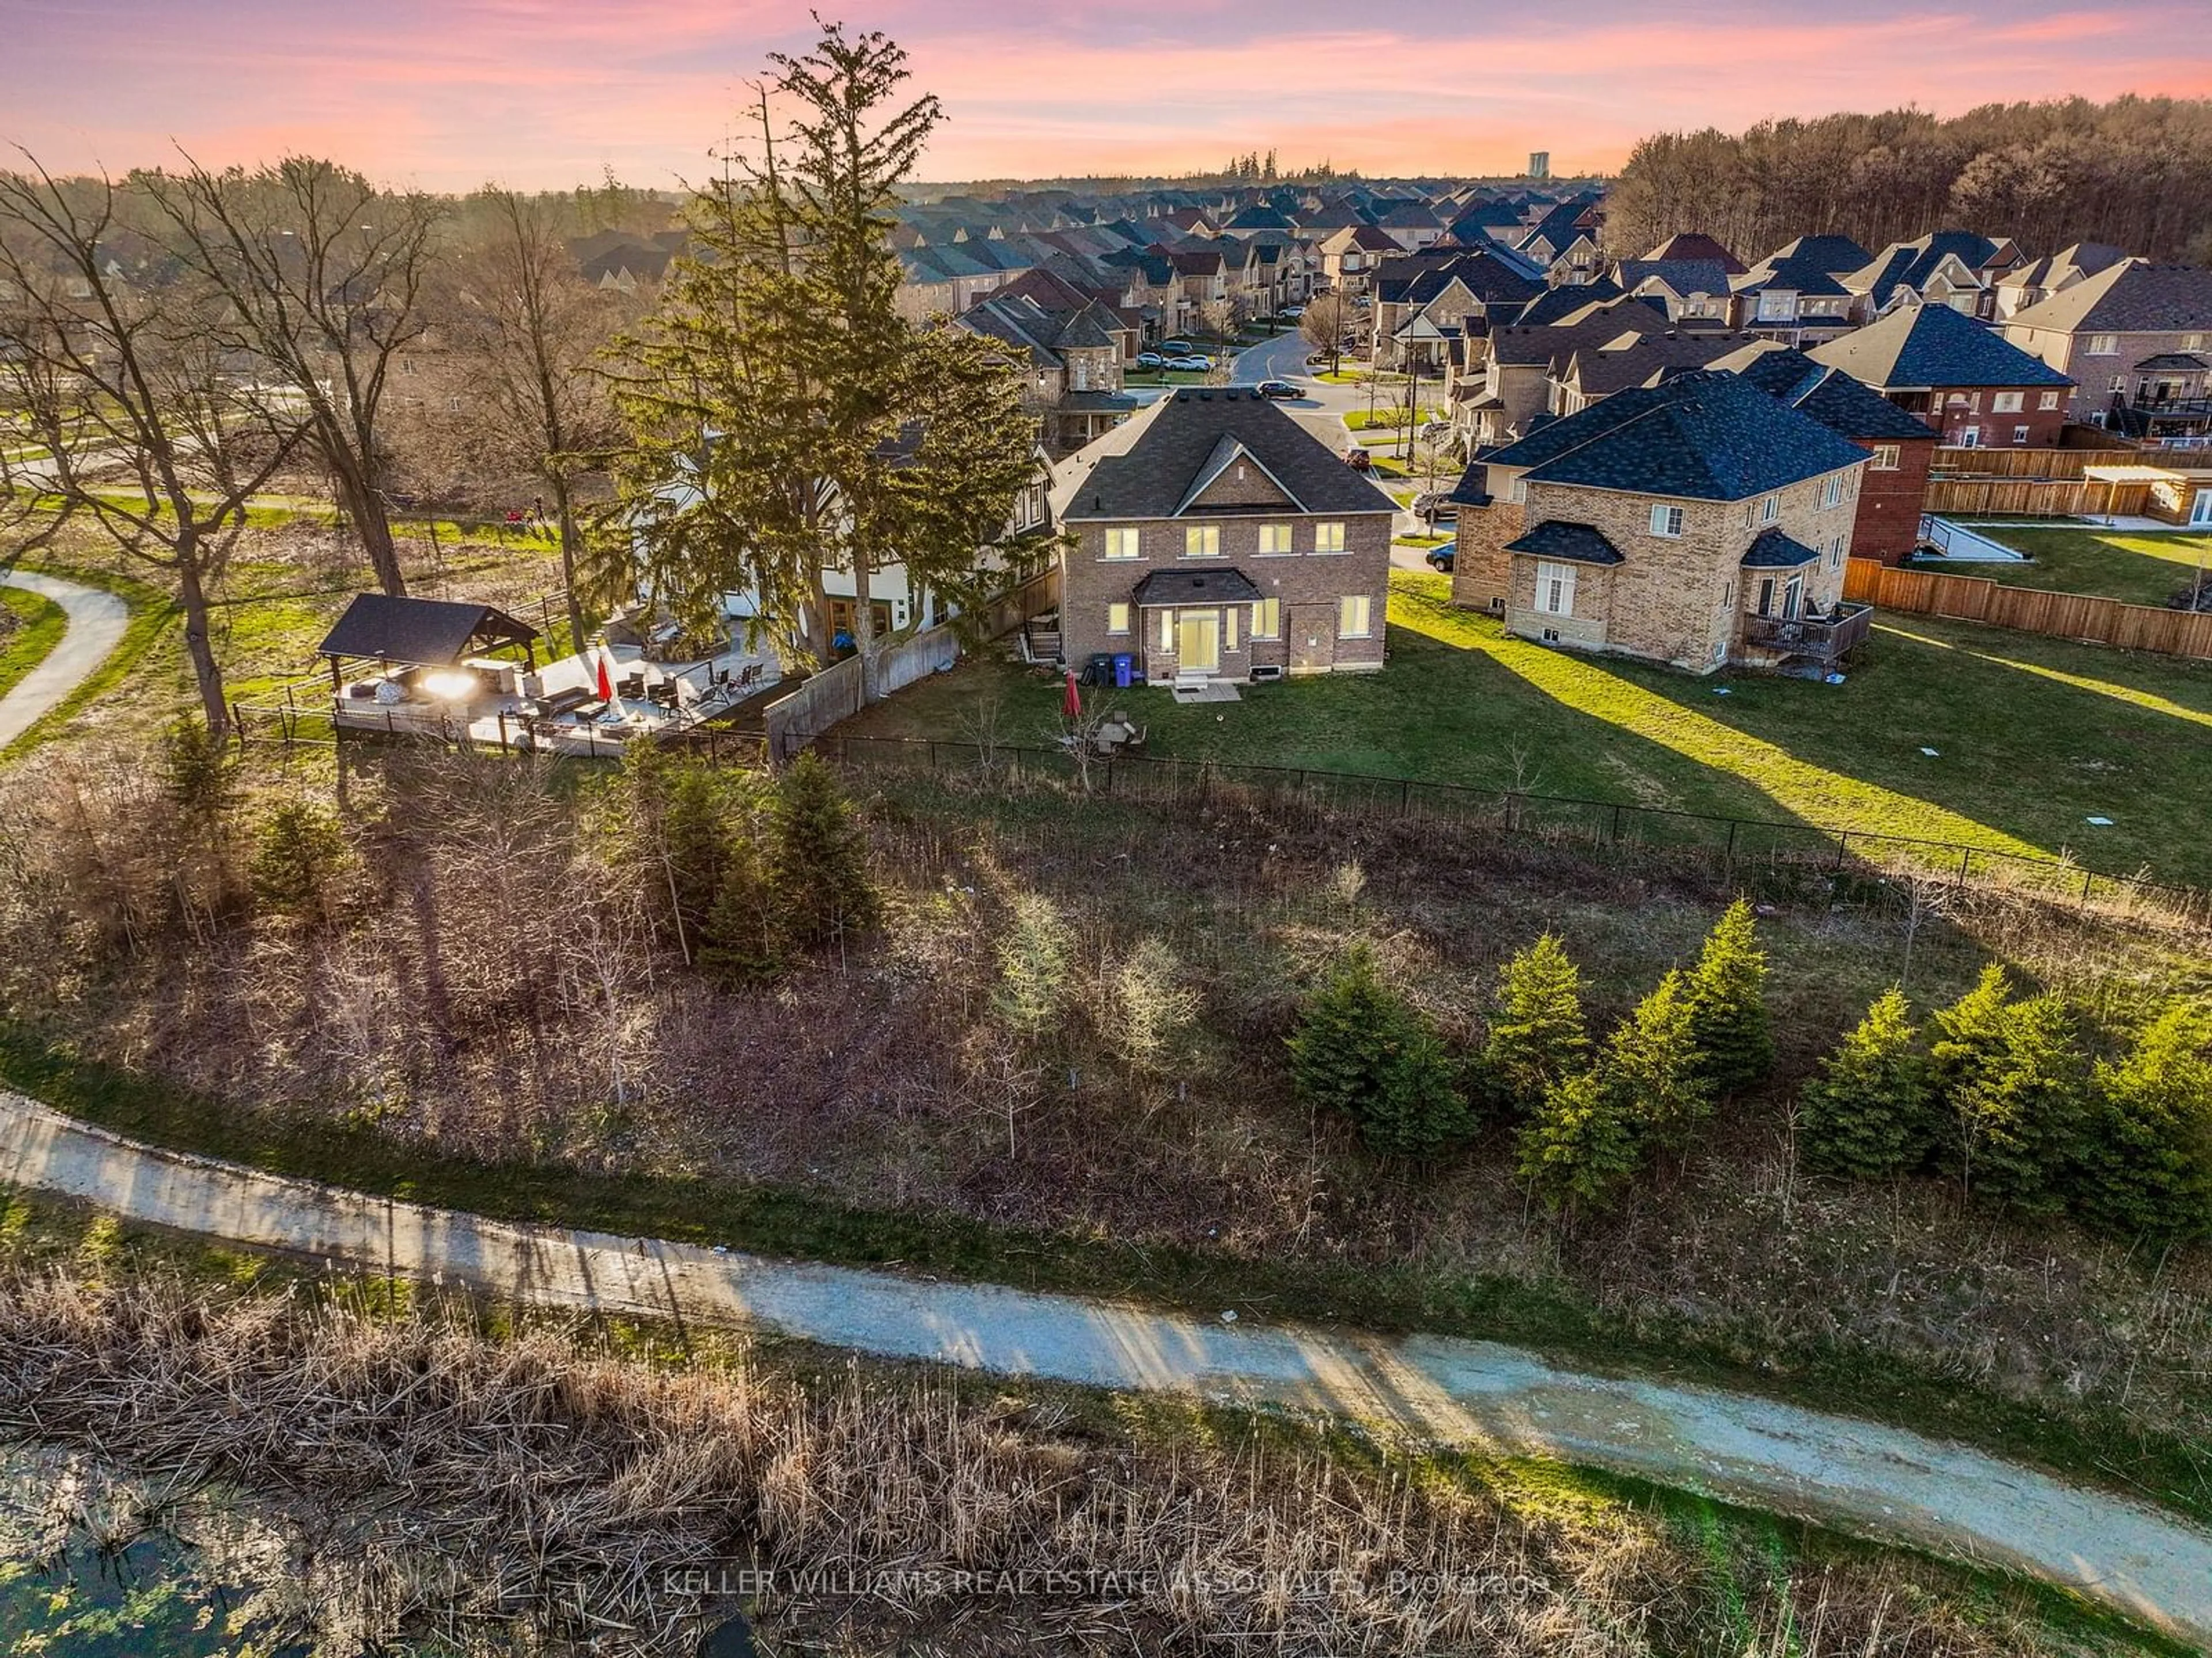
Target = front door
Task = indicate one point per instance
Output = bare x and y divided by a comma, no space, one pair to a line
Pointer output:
1198,641
2200,513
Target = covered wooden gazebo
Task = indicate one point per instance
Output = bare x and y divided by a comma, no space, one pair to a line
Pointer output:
421,633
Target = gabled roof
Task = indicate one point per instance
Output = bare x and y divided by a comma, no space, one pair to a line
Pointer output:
1796,277
1152,466
1581,543
1228,451
1700,436
2077,260
1911,263
1832,254
1772,551
2133,297
1681,277
1641,360
420,633
1690,244
1829,395
1555,305
1927,346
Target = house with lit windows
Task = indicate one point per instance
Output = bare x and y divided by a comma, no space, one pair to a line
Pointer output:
1214,537
1701,523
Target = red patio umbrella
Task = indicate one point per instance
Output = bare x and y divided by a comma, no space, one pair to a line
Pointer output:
1072,703
606,679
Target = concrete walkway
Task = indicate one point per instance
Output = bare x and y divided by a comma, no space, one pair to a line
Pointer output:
96,623
1865,1478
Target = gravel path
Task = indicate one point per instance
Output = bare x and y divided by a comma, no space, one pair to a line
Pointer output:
96,621
1862,1477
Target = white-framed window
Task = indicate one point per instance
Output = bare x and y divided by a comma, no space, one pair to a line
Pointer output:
1727,593
2048,400
1117,618
1517,491
1836,554
1202,541
1329,538
1555,588
1885,457
1353,612
2020,434
1167,630
1666,520
2005,402
1122,543
2102,345
1229,615
2192,342
1274,537
1268,618
1831,492
1770,509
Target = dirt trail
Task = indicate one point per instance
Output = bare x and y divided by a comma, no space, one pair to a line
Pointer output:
96,623
1865,1477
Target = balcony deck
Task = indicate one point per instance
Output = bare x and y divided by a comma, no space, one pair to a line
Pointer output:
1825,640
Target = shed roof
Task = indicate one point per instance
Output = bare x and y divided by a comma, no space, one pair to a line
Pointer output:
1216,586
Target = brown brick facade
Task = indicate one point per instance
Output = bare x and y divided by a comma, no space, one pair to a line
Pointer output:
1890,501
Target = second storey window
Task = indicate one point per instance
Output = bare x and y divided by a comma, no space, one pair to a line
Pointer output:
1328,537
1831,492
2103,345
1274,537
1666,520
1122,543
1770,509
1885,457
2005,402
1202,540
2048,400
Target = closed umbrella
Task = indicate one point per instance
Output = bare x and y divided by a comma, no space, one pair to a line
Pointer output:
1072,703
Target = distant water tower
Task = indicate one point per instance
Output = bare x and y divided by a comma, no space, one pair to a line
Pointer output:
1539,163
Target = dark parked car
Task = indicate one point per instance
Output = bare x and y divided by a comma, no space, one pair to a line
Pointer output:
1276,389
1176,348
1358,459
1440,558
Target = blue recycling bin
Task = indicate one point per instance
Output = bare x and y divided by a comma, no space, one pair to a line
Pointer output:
1122,665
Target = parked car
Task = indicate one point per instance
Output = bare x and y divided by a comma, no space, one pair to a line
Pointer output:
1292,311
1276,389
1191,364
1433,505
1358,459
1176,348
1441,556
1151,360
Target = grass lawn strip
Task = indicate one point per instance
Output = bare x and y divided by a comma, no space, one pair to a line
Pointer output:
40,623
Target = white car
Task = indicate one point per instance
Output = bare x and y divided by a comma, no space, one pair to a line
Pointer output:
1192,364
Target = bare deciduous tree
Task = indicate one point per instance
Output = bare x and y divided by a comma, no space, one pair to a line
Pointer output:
1326,316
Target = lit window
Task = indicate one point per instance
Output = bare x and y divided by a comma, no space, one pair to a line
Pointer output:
1122,543
1328,537
1202,541
1351,616
1274,537
1167,630
1555,589
1117,618
1229,627
1268,619
1885,457
1666,520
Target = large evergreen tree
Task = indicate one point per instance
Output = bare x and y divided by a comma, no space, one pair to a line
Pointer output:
1866,1113
1537,1036
2020,1118
1726,994
1653,1063
818,864
2147,1167
1359,1048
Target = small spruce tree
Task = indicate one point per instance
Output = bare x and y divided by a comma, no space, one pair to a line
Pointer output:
2021,1115
1653,1064
1360,1049
1727,996
742,943
818,864
1866,1113
1033,954
196,772
1579,1147
297,859
1537,1036
694,845
2147,1168
1969,1033
1151,1010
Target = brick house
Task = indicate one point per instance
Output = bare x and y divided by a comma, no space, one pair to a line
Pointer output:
2136,338
1961,376
1894,491
1067,363
1955,268
1213,536
1349,257
1697,523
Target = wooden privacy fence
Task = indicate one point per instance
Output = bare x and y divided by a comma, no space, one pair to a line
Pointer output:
2024,462
2060,615
2036,497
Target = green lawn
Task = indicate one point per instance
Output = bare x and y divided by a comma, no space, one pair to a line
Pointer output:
39,623
2033,736
2143,569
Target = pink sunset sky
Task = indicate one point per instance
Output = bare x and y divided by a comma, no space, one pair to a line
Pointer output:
448,94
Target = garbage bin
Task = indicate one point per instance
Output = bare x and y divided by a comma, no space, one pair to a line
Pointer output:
1099,670
1122,664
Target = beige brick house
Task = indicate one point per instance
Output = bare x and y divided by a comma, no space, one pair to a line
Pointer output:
1699,523
1213,536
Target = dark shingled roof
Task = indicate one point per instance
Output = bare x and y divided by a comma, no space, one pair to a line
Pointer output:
1217,587
1913,263
1828,395
420,633
1176,440
1920,346
1774,550
1701,436
1691,245
1832,254
2186,362
2130,298
1557,538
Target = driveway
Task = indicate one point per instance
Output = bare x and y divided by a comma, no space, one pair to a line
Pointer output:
1857,1475
96,623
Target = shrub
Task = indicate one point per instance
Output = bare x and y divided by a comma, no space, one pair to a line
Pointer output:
1727,996
1866,1113
1033,966
2021,1113
693,846
2147,1168
1579,1147
742,943
1969,1033
1537,1034
1652,1061
1361,1049
196,772
1151,1009
819,865
298,857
